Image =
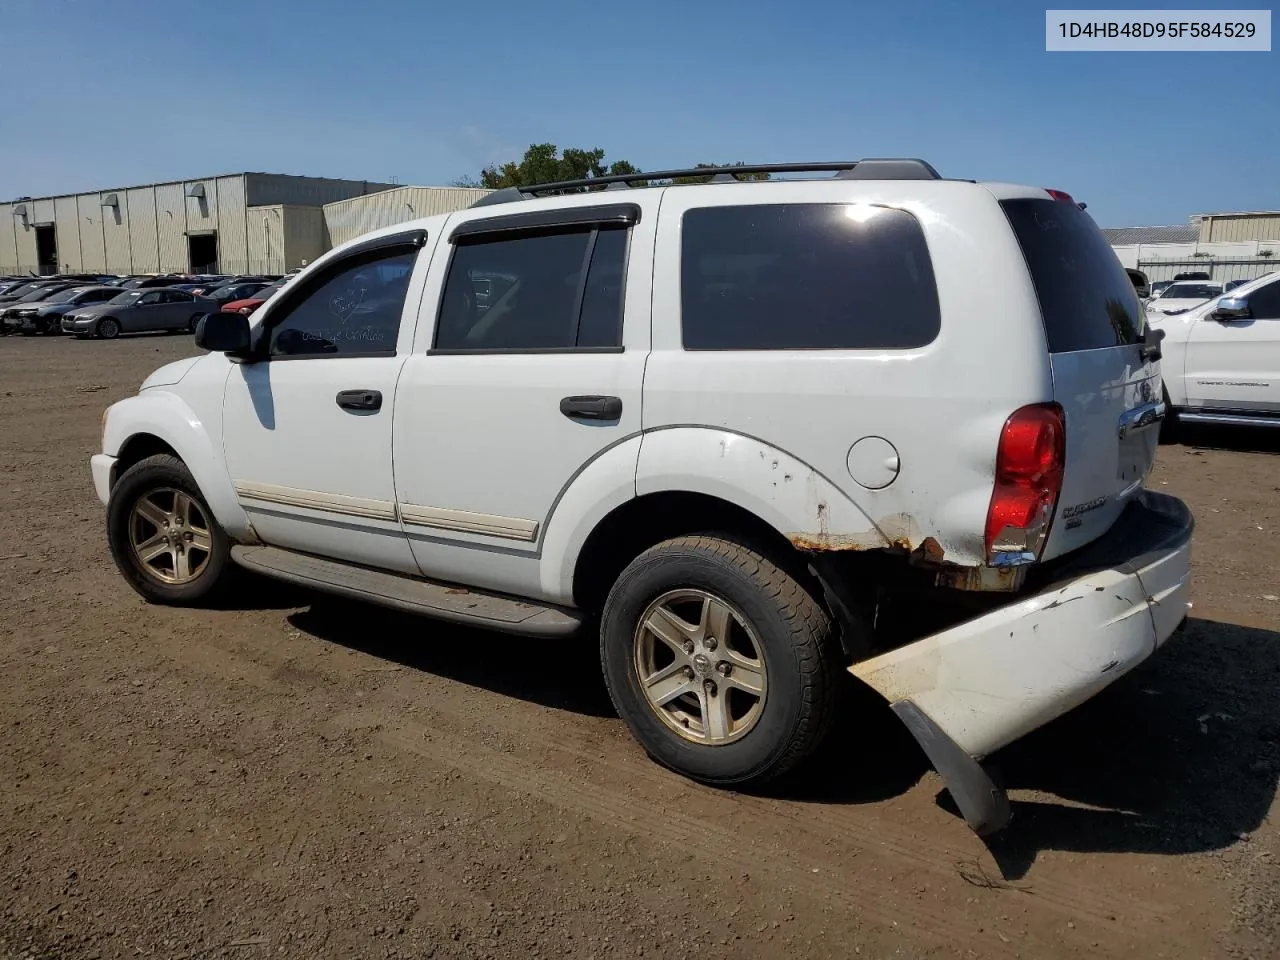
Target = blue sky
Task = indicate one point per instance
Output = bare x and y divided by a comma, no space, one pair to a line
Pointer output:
130,91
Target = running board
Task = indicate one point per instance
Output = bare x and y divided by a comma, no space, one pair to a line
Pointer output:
1227,419
429,598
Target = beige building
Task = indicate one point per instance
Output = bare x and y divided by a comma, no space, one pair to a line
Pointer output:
238,223
1237,227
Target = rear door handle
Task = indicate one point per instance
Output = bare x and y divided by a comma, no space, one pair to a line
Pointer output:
360,399
591,408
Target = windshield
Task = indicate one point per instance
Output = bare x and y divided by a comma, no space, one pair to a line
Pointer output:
129,296
39,294
234,292
1192,291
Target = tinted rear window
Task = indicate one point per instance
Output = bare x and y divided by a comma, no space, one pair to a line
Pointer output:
1086,298
806,276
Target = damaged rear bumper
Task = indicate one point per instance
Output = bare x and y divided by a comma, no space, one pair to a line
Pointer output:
1093,616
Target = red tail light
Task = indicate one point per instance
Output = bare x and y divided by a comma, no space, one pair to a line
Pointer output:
1059,195
1029,467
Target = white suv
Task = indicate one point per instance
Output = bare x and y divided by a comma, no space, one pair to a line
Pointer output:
1222,357
755,433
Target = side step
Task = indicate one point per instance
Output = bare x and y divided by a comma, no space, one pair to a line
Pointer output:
427,597
1227,419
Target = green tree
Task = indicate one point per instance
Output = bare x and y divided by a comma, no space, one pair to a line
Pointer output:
707,179
546,163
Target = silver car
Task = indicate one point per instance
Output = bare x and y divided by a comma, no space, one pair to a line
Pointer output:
135,311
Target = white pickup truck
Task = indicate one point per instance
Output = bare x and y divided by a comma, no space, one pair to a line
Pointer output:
1222,357
751,433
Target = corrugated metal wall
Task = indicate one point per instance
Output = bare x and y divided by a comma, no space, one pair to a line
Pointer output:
115,232
41,212
93,254
351,218
233,252
266,239
304,235
1257,226
202,212
66,218
271,189
8,242
26,245
145,241
171,225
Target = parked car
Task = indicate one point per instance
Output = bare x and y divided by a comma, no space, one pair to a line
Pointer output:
230,281
135,311
757,432
40,293
253,301
1140,283
17,292
1232,284
1183,295
134,283
1192,275
1221,359
1159,287
45,316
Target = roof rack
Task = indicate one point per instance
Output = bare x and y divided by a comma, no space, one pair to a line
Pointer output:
875,168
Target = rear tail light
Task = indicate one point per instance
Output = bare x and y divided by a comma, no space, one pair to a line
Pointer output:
245,310
1060,195
1029,468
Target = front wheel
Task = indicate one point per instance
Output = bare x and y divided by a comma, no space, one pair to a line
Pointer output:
108,328
721,664
163,536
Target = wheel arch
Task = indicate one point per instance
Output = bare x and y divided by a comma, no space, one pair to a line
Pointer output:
161,422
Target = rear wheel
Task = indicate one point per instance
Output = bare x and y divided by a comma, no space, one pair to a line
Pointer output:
721,664
163,536
108,328
194,322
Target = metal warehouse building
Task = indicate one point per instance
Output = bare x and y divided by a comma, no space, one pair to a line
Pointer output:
239,223
348,219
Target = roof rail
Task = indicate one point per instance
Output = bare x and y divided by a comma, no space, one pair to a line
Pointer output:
870,169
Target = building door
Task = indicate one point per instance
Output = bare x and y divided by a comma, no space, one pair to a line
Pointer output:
46,249
202,252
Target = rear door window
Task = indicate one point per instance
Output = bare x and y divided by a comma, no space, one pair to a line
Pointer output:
1086,298
813,276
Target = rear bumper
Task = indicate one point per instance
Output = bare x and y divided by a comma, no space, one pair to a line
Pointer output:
1094,616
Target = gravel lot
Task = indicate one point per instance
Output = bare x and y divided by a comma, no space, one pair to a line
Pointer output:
306,777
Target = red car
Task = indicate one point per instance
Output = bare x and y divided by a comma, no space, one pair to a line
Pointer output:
250,304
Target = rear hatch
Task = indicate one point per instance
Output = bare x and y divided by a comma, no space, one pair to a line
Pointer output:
1094,324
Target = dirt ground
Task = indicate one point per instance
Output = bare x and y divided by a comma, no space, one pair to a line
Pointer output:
306,777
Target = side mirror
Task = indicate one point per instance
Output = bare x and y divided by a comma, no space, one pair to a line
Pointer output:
1231,308
223,333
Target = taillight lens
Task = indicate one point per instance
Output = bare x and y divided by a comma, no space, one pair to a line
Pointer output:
246,310
1029,467
1060,195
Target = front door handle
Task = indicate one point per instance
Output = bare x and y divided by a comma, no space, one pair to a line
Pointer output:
360,399
591,408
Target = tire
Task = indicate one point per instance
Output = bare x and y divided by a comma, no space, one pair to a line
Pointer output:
795,647
108,328
194,322
156,480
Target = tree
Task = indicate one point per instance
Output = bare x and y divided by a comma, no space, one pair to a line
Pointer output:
707,179
545,163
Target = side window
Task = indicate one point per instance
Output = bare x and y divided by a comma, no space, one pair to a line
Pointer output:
1265,302
806,277
529,292
149,299
351,309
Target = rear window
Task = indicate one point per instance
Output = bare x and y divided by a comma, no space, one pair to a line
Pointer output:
1086,298
806,277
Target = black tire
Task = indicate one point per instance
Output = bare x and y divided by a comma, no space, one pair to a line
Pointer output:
194,322
146,476
796,641
108,328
